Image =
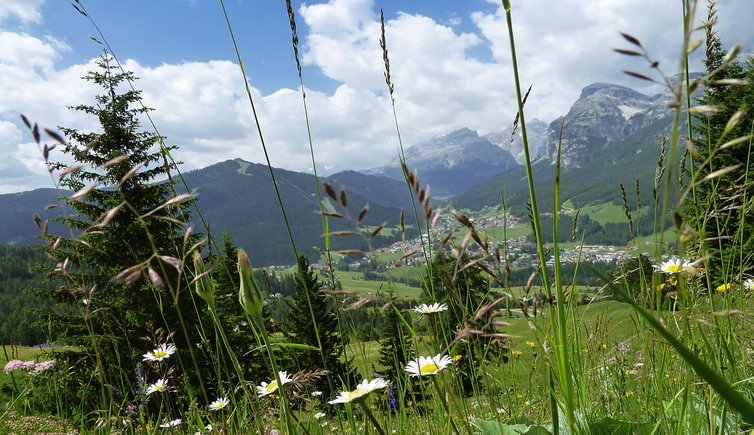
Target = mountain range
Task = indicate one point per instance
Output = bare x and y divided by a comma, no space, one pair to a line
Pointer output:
610,135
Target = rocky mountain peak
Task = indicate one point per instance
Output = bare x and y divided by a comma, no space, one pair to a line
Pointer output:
603,115
452,162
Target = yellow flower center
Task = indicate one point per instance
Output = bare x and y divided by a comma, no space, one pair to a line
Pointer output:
674,268
271,386
160,353
159,387
430,368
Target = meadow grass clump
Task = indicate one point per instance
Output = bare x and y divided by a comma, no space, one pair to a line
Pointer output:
168,334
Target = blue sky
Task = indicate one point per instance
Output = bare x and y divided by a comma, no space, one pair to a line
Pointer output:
449,58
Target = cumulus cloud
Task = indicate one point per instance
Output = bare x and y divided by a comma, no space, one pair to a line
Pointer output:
27,11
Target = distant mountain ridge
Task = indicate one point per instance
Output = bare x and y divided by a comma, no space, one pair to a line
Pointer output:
604,114
452,163
536,132
611,135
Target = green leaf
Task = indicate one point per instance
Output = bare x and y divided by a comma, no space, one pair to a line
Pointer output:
492,427
298,346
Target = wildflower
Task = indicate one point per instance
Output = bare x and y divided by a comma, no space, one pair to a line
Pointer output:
43,366
85,301
249,294
517,353
722,288
457,358
749,351
13,365
675,265
160,385
270,388
173,423
428,365
219,404
35,367
749,284
316,393
430,309
319,415
531,344
205,286
629,393
361,391
162,352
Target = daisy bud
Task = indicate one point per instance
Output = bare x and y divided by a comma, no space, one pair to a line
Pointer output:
205,286
249,294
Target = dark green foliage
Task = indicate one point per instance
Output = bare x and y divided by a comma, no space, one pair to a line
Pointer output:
18,271
318,327
236,188
634,276
396,350
464,292
232,317
396,345
120,322
720,209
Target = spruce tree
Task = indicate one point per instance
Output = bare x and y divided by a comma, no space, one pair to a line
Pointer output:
718,207
299,328
396,350
118,222
464,292
232,316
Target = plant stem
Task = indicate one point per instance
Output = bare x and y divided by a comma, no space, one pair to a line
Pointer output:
372,417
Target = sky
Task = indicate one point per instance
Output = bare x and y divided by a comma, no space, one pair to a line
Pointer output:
450,66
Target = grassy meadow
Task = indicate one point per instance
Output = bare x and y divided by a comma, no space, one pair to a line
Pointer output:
662,345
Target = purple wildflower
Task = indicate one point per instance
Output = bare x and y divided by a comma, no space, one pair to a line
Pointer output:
13,365
43,366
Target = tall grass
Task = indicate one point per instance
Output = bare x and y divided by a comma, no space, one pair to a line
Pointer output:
670,354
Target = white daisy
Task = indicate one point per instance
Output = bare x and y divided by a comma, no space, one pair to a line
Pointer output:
431,309
162,352
173,423
364,388
159,386
270,388
319,415
428,365
675,265
219,404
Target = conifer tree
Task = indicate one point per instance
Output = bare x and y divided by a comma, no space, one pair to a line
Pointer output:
464,292
232,316
119,221
396,348
299,328
719,206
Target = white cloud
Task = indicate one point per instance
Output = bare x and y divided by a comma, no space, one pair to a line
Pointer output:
27,11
